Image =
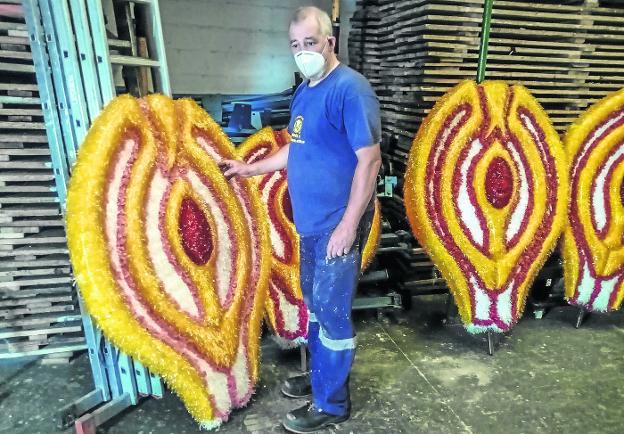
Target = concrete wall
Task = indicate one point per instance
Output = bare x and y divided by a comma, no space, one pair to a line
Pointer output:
347,7
230,46
235,46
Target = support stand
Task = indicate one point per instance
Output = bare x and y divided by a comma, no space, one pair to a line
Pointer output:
451,310
88,423
303,350
493,341
581,317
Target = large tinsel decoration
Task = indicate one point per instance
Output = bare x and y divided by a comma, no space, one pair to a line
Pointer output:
172,259
285,309
593,248
485,194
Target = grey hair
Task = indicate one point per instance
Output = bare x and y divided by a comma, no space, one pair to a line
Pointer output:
322,18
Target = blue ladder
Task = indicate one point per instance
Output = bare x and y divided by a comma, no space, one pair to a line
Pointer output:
75,79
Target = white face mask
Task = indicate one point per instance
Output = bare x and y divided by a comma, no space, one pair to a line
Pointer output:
311,64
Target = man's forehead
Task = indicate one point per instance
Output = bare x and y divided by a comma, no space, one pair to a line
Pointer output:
306,28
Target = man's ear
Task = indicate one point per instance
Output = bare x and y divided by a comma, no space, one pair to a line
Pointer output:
332,42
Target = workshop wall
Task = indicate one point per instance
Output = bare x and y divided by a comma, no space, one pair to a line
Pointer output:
347,8
234,47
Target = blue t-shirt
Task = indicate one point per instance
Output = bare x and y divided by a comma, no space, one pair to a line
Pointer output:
328,123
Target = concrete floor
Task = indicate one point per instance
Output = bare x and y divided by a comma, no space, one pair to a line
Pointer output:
412,375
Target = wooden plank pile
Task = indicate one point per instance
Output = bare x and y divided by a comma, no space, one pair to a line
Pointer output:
38,305
568,53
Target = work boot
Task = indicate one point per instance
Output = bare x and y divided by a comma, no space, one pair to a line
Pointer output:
298,386
308,419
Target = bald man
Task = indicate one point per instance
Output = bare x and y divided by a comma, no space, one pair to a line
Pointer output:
332,164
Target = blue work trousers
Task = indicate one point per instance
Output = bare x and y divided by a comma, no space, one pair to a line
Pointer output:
329,287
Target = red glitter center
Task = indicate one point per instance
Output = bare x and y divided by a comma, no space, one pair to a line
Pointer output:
287,206
195,232
498,183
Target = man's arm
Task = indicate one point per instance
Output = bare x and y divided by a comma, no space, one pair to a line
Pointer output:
277,161
362,189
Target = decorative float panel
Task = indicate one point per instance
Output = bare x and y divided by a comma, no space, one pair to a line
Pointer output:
593,250
172,260
485,194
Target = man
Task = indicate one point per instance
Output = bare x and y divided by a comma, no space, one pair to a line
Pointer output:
332,164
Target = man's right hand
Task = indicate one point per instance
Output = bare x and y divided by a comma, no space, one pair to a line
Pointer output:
232,168
276,161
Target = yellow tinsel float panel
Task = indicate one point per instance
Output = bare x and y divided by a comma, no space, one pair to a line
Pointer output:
374,236
285,309
593,248
172,259
485,194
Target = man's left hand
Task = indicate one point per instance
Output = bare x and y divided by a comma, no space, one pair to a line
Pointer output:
341,240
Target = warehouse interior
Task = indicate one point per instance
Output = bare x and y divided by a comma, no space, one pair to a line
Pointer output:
425,362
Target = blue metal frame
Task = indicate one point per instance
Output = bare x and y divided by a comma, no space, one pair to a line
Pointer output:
389,182
95,16
87,57
73,90
47,98
69,137
158,44
71,70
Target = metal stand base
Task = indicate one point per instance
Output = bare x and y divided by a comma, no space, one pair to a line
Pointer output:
390,300
67,415
86,417
451,314
581,317
89,422
451,318
540,313
303,350
493,341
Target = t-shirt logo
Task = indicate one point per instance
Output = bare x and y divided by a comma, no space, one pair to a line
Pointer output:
296,133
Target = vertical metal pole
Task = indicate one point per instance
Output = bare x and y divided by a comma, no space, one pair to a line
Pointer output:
49,75
87,58
485,39
100,45
155,385
62,97
143,381
156,47
483,50
304,358
490,341
96,358
59,11
127,377
47,97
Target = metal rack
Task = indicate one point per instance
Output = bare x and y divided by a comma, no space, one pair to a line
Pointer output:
77,74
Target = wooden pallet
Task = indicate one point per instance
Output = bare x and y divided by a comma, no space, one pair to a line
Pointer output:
39,312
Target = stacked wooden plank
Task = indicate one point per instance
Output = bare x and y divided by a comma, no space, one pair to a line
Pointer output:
568,53
38,307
